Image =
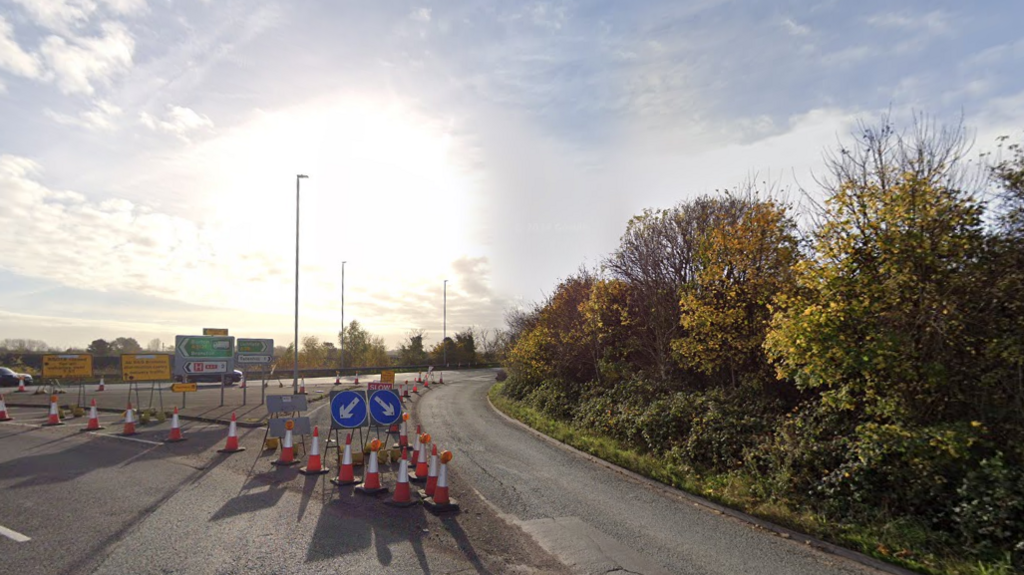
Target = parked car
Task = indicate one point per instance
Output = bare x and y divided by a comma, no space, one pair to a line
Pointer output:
10,377
229,378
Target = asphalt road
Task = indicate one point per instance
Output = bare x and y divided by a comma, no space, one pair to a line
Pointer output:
592,518
77,503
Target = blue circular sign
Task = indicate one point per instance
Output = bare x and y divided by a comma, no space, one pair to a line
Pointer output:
385,407
348,409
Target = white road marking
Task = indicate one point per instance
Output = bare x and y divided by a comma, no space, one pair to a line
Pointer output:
13,535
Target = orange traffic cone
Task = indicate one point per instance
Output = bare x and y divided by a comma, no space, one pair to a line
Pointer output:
442,378
440,502
405,392
414,390
426,384
302,387
175,428
403,495
403,434
287,449
242,385
21,385
357,378
129,421
54,417
103,386
4,416
432,474
421,459
232,445
94,418
371,481
337,378
418,378
314,467
346,475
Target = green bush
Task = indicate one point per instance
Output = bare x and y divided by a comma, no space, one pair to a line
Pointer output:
990,512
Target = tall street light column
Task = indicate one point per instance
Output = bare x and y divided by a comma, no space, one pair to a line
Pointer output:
342,356
295,374
444,334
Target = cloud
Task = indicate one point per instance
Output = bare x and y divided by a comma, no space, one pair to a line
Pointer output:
178,120
12,57
101,117
59,15
934,23
80,62
795,29
420,14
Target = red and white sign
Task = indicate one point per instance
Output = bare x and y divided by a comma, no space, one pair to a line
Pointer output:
375,385
206,367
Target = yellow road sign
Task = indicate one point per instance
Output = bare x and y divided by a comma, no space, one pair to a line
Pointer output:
184,387
387,377
215,331
67,365
148,367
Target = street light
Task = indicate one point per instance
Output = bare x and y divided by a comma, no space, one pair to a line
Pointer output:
342,356
295,374
444,334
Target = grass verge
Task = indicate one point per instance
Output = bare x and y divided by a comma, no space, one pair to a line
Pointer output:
895,540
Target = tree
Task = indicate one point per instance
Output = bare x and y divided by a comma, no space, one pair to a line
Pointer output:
99,347
24,345
363,349
155,345
411,352
125,345
878,323
746,258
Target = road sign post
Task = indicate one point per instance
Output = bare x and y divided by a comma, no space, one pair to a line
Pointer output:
252,353
205,354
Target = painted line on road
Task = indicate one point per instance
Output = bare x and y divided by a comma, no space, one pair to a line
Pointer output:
14,535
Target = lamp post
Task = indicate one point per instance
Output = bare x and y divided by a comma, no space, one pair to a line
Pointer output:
295,374
342,356
444,334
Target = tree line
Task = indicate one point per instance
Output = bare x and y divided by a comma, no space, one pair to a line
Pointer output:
865,366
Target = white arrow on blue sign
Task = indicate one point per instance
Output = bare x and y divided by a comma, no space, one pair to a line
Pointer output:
348,409
385,407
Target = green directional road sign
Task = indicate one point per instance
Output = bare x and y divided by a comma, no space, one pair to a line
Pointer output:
204,346
258,346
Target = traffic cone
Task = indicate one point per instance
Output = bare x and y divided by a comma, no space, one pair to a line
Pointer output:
313,467
439,502
21,385
357,378
302,387
346,473
103,385
129,421
232,445
418,378
54,417
431,474
242,385
403,435
421,459
426,384
414,390
337,378
3,410
94,419
442,378
371,480
403,495
287,449
175,428
405,391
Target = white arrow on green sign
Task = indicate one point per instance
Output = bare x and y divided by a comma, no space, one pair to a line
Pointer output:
257,346
205,346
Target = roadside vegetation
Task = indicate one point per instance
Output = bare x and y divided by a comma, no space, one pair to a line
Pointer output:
859,377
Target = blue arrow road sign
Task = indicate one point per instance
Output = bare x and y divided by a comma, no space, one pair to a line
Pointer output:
385,407
348,409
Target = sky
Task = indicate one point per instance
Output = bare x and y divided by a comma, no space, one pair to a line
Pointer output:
149,148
